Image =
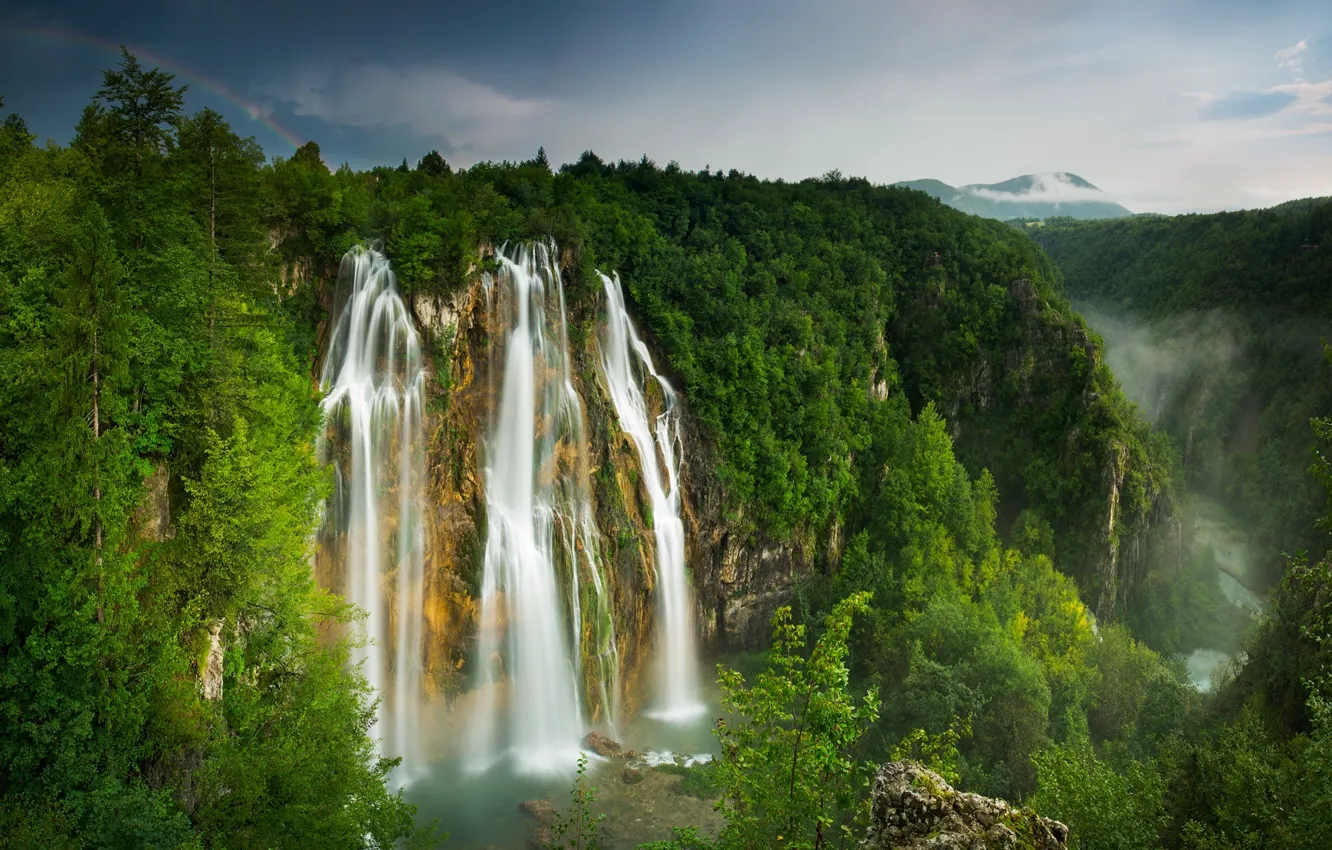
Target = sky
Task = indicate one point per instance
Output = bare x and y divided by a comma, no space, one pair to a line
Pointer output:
1166,105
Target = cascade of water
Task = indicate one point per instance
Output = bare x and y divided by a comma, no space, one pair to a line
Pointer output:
580,535
373,378
626,364
536,483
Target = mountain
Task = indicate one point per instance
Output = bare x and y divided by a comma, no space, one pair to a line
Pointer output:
1029,196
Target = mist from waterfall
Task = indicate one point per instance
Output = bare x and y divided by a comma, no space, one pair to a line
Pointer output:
373,377
542,589
626,364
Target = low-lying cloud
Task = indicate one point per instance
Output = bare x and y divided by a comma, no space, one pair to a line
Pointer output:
1045,188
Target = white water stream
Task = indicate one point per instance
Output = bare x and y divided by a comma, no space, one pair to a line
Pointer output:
541,553
547,663
626,364
373,378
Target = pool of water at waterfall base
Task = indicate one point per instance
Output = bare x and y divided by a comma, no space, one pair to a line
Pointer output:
483,809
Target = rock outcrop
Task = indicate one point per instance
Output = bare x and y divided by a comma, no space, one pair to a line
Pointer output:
544,816
913,808
602,746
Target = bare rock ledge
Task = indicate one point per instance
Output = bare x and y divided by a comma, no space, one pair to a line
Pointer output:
913,808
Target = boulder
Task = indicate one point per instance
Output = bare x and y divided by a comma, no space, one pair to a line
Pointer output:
912,808
542,811
601,745
632,775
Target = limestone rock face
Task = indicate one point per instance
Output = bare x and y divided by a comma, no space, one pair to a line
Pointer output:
210,682
913,808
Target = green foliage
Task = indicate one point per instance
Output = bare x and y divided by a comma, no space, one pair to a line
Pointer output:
788,771
937,752
1253,769
579,828
682,838
1103,809
146,362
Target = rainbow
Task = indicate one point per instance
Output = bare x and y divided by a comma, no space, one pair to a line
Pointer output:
217,87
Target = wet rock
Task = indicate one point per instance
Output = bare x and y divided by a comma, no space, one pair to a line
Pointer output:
542,811
601,745
913,808
632,775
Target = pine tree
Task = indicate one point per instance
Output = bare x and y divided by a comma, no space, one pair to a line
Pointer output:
434,165
143,106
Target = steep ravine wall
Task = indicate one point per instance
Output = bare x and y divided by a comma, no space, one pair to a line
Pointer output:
1038,370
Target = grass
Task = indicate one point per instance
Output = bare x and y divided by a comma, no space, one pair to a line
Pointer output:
699,780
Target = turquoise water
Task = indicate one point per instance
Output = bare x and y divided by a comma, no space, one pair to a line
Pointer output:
481,810
484,810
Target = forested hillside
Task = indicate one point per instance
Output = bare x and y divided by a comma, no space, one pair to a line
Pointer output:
896,392
162,682
1221,322
787,309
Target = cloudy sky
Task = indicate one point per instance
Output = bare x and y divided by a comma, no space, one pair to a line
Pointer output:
1167,106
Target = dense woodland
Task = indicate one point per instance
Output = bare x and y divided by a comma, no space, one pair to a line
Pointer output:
866,364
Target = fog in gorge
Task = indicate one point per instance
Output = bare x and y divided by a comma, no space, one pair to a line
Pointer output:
1188,376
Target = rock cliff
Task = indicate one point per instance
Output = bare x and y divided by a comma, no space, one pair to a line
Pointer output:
913,808
738,578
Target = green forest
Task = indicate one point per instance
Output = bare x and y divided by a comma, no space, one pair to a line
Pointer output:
862,362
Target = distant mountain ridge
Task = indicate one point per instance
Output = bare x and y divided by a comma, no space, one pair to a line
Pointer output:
1058,193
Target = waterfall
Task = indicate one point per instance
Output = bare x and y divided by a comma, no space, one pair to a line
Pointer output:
373,378
541,551
626,364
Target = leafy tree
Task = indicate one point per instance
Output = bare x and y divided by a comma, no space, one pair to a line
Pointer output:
579,828
143,106
146,360
788,771
1104,810
221,177
434,165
